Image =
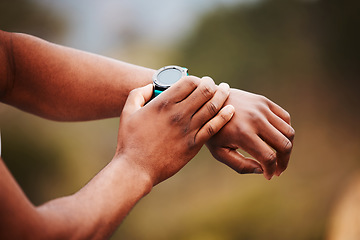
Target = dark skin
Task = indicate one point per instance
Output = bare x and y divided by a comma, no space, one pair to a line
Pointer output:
36,74
264,125
97,209
64,84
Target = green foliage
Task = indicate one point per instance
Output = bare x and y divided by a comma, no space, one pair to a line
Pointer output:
275,42
249,46
34,164
339,24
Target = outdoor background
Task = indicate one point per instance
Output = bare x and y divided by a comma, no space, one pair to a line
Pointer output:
303,55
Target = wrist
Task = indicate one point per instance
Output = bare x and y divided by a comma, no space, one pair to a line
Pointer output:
133,173
104,202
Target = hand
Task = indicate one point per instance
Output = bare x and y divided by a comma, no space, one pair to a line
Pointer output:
160,138
259,127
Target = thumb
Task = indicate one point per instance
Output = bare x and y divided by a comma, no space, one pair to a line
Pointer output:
137,99
236,160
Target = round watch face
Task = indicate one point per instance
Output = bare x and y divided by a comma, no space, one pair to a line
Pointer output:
167,76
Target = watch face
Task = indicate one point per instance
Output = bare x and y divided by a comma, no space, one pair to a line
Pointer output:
169,76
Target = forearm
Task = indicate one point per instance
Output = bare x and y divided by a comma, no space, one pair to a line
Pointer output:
65,84
97,209
92,213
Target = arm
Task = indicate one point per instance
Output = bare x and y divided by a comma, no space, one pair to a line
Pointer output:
66,84
92,213
177,123
61,83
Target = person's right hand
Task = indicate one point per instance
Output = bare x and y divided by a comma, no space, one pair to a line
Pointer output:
160,138
259,127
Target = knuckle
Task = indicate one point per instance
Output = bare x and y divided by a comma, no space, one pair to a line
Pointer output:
191,81
212,108
176,118
244,131
207,91
291,134
210,130
270,159
287,147
263,103
262,106
263,99
185,129
163,105
255,117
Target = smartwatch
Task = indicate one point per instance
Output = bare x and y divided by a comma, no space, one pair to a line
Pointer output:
166,77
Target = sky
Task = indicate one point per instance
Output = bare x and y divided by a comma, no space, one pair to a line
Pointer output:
99,25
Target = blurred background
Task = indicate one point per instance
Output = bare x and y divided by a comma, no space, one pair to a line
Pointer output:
303,55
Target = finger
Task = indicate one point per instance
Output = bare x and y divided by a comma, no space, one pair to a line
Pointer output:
214,125
212,107
282,147
280,143
282,126
181,89
257,148
203,93
279,111
236,160
137,99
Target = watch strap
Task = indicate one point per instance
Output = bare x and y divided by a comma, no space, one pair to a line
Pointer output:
157,92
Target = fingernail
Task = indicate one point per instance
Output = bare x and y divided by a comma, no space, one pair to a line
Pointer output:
230,109
268,177
225,85
258,170
206,77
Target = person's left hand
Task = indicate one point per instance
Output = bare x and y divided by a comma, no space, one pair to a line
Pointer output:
259,127
160,138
